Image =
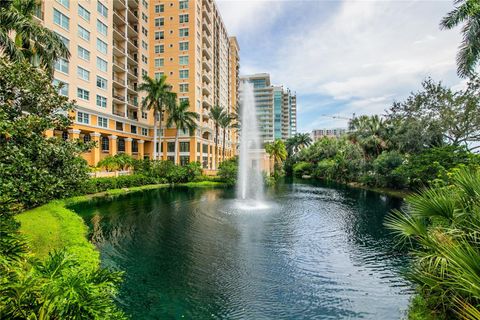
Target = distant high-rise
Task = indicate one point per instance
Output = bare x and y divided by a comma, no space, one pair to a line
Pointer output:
331,133
113,44
276,108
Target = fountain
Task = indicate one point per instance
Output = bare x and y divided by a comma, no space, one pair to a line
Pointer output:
250,180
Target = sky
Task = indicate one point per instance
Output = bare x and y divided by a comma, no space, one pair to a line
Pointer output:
345,56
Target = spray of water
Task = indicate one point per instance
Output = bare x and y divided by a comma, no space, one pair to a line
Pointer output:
250,179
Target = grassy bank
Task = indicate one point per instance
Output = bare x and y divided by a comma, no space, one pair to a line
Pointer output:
53,226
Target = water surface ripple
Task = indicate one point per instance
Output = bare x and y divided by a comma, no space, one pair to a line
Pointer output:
316,253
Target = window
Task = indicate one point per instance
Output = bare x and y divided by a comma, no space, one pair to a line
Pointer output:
144,132
159,62
159,35
87,138
62,87
134,146
105,144
101,101
144,115
83,33
158,75
102,28
182,99
83,74
170,146
144,45
84,13
102,9
83,94
184,4
183,74
144,72
145,3
60,19
183,60
183,46
133,129
144,31
83,53
61,65
101,46
184,87
159,22
101,83
119,126
205,148
184,146
183,18
83,117
144,59
65,40
102,64
64,3
184,32
184,160
144,17
102,122
159,8
159,48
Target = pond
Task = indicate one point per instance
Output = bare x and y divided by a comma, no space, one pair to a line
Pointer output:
317,252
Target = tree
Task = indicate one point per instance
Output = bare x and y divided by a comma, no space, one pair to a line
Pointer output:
23,38
225,122
159,98
216,114
298,142
441,114
467,12
277,152
183,119
369,133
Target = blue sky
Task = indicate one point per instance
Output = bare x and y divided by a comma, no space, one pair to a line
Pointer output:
343,57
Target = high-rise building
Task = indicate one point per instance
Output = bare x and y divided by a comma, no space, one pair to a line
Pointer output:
331,133
114,43
276,108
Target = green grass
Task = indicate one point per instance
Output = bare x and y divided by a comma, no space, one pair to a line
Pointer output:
418,310
53,226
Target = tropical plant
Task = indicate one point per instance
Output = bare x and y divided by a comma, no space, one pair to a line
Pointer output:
225,123
183,119
369,133
159,99
441,229
227,171
278,153
216,114
297,142
24,38
119,161
468,13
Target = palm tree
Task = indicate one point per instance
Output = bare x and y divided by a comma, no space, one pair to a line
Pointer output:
369,133
298,142
30,41
467,12
183,119
159,98
277,152
216,114
225,122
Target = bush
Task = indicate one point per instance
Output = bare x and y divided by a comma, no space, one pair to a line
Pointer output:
136,180
325,170
120,161
302,168
167,171
227,171
385,170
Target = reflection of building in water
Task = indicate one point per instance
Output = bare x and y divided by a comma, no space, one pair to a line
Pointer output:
320,133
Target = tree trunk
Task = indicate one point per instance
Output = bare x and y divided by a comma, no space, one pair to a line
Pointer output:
216,147
160,129
176,146
155,135
223,157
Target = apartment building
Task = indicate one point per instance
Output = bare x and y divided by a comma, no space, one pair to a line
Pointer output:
334,132
114,43
276,108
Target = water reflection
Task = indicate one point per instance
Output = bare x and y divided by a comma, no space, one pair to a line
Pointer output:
318,253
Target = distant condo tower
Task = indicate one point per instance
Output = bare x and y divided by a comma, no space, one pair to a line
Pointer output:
276,108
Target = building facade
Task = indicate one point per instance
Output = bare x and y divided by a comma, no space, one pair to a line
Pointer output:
332,133
113,44
276,108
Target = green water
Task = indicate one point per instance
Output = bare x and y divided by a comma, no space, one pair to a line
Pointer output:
315,253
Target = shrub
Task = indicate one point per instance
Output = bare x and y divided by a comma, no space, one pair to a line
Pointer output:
136,180
120,161
325,170
228,170
385,170
302,168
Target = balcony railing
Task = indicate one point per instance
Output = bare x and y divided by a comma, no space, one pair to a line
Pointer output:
119,113
119,97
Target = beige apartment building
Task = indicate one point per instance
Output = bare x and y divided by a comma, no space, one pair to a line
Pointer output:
114,43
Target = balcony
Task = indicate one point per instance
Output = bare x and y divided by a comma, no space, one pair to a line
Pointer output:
133,4
206,41
118,98
207,5
206,90
118,65
119,5
118,49
119,113
206,24
118,18
206,64
207,77
132,31
118,82
207,52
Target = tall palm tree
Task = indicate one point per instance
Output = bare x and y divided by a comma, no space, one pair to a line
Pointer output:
303,140
216,114
277,152
369,133
159,98
468,13
225,122
183,119
24,38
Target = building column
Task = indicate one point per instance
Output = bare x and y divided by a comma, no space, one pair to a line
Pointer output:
96,150
141,149
128,146
112,148
73,134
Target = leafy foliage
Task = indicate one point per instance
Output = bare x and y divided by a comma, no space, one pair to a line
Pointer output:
228,170
121,161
